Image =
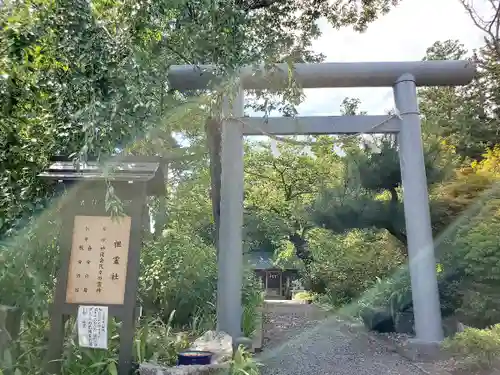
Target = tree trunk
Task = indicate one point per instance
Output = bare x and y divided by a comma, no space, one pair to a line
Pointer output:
214,139
400,236
391,227
301,248
161,216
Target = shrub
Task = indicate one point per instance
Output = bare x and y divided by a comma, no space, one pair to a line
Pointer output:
28,264
475,258
475,347
178,291
154,342
350,264
468,248
178,272
244,364
304,296
253,300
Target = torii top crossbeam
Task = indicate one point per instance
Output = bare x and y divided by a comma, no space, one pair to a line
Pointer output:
324,75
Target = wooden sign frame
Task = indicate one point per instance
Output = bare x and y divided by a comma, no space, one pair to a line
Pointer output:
87,199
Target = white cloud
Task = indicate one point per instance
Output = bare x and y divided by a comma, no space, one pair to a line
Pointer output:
402,35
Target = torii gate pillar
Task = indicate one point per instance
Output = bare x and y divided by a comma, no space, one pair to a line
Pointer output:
422,263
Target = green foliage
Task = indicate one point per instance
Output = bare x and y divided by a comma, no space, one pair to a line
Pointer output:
178,272
390,295
155,342
465,191
284,183
464,118
369,198
468,206
28,264
379,171
252,310
304,296
475,348
278,190
477,256
349,265
244,364
264,230
340,212
82,79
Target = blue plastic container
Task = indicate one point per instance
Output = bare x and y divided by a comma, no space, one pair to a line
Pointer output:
194,357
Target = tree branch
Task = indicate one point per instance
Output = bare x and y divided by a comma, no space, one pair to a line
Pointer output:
394,196
391,228
255,4
400,236
486,26
286,187
262,176
299,193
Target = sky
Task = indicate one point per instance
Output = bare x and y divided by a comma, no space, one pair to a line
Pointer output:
402,35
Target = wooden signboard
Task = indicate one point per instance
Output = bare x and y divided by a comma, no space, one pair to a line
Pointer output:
99,269
98,261
100,255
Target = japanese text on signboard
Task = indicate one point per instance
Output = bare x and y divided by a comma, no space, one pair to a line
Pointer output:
98,264
93,327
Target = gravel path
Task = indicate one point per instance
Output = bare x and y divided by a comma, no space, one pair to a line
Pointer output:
297,342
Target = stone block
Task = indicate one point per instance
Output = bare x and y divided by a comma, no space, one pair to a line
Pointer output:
219,343
258,337
405,322
213,369
422,351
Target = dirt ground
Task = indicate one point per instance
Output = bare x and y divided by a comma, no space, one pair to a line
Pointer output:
284,319
304,340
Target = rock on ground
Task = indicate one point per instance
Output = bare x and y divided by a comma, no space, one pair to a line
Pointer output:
301,340
219,343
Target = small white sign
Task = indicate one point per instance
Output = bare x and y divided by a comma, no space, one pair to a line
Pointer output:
93,327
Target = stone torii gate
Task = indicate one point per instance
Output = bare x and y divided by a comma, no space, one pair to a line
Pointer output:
403,77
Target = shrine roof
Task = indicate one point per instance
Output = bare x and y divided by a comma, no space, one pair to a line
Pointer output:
261,260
